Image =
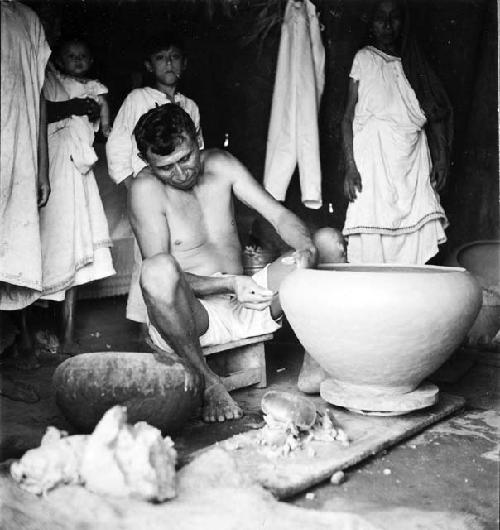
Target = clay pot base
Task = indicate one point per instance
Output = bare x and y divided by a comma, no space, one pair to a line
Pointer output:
335,393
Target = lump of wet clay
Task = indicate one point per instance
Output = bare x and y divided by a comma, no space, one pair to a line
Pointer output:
56,462
288,409
116,459
136,460
292,422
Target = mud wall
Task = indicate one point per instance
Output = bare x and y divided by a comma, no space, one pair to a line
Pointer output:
233,85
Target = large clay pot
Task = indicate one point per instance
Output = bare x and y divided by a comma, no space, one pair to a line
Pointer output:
379,330
482,259
87,385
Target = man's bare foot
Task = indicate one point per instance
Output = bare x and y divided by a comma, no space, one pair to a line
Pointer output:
218,405
311,375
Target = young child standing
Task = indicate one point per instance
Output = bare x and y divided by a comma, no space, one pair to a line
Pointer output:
165,61
73,225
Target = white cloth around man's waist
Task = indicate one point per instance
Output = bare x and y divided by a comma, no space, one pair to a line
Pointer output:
228,320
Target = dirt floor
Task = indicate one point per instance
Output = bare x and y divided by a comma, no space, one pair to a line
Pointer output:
451,467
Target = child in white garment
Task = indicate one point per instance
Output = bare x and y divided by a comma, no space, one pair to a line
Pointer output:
73,225
71,64
165,62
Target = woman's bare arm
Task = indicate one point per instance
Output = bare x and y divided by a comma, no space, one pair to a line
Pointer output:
352,178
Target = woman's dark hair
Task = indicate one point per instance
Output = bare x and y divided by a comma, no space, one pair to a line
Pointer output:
422,78
427,86
162,129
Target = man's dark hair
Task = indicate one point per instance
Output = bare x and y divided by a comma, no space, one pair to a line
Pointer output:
162,129
163,41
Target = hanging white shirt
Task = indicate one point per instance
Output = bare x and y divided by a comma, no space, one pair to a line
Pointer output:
293,136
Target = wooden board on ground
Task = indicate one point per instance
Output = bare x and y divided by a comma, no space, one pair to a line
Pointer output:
288,475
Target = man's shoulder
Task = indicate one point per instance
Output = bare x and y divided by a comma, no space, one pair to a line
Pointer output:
217,157
145,195
145,183
222,165
219,163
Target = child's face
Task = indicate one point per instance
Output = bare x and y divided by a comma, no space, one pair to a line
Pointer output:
181,168
75,59
166,65
387,22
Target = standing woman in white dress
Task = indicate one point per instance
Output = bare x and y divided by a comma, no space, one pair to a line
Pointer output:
397,132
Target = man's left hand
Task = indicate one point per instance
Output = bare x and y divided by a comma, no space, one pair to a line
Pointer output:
251,295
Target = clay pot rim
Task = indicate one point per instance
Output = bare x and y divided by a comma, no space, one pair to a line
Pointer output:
477,242
88,360
391,267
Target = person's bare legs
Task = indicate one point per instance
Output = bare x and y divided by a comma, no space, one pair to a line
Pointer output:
181,319
69,346
26,358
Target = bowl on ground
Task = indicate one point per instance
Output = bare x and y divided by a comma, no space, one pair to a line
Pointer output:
87,385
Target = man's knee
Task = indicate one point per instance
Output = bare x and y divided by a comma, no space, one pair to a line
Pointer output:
160,275
330,244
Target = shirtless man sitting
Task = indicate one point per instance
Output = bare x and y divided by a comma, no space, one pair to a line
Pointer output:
181,210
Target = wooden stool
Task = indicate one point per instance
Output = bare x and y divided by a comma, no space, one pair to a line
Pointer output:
240,363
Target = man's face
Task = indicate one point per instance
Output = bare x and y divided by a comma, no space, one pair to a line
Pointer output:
166,65
181,168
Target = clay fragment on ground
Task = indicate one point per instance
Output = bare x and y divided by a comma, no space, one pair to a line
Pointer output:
116,459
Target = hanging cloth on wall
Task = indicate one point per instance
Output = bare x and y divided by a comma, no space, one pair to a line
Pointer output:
293,136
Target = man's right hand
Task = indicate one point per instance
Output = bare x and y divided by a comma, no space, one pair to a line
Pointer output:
250,294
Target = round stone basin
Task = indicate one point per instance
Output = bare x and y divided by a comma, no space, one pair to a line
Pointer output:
482,259
379,330
87,385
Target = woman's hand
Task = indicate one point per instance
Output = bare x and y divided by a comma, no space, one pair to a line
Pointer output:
250,294
106,130
352,183
43,191
439,175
